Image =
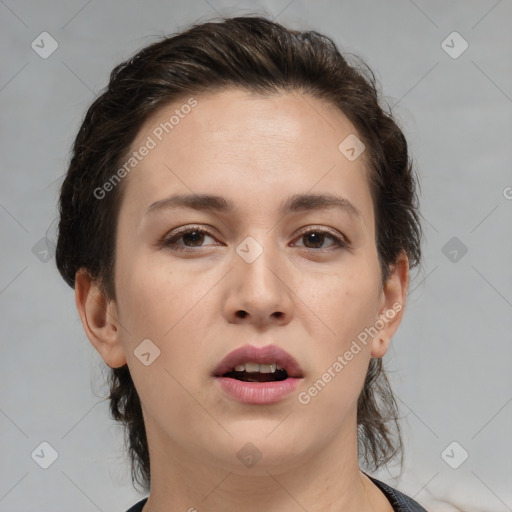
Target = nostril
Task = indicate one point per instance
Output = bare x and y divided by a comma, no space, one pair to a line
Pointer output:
241,313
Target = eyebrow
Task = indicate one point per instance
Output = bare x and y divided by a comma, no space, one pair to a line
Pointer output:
295,203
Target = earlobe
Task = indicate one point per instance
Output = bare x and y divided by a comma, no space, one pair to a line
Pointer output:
393,300
380,346
99,319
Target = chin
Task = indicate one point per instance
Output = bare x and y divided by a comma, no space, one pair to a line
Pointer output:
253,451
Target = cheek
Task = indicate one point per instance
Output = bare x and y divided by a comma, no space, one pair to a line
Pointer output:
348,307
153,299
164,305
346,302
161,305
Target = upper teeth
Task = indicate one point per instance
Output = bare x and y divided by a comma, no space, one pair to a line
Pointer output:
257,367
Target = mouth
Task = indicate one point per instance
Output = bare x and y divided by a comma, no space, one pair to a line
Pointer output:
255,372
258,375
258,364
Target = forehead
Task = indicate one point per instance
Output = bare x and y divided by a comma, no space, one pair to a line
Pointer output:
233,116
242,142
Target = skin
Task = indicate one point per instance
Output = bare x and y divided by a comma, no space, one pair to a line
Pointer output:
254,151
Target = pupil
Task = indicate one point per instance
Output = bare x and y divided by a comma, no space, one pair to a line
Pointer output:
318,236
195,235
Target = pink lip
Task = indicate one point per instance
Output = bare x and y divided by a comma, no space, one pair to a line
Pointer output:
258,392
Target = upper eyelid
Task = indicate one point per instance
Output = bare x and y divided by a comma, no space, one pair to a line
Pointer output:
186,229
326,231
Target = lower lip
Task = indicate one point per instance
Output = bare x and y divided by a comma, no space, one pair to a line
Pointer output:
258,392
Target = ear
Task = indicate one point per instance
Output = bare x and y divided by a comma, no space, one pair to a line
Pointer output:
392,305
99,318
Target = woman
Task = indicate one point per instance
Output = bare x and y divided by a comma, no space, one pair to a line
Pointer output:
239,220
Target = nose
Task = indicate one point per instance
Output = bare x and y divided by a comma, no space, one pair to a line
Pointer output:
260,292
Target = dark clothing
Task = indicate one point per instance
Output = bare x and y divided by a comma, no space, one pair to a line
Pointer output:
399,501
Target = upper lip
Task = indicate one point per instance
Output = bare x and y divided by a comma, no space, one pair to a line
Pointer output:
266,354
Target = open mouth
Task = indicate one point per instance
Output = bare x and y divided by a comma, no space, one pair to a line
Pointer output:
255,372
258,375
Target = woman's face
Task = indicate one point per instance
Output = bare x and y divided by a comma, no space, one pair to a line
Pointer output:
272,269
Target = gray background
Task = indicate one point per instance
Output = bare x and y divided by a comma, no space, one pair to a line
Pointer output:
450,358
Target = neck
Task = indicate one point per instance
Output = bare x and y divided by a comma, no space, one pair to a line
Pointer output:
328,480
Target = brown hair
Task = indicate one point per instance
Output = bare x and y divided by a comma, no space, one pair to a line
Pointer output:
264,57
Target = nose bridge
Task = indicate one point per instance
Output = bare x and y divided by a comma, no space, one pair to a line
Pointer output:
259,261
260,288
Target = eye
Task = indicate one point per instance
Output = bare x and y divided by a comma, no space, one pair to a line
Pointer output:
316,238
192,236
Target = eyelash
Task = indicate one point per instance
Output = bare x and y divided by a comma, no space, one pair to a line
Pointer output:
170,241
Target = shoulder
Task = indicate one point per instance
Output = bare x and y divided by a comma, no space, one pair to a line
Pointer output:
138,506
399,501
